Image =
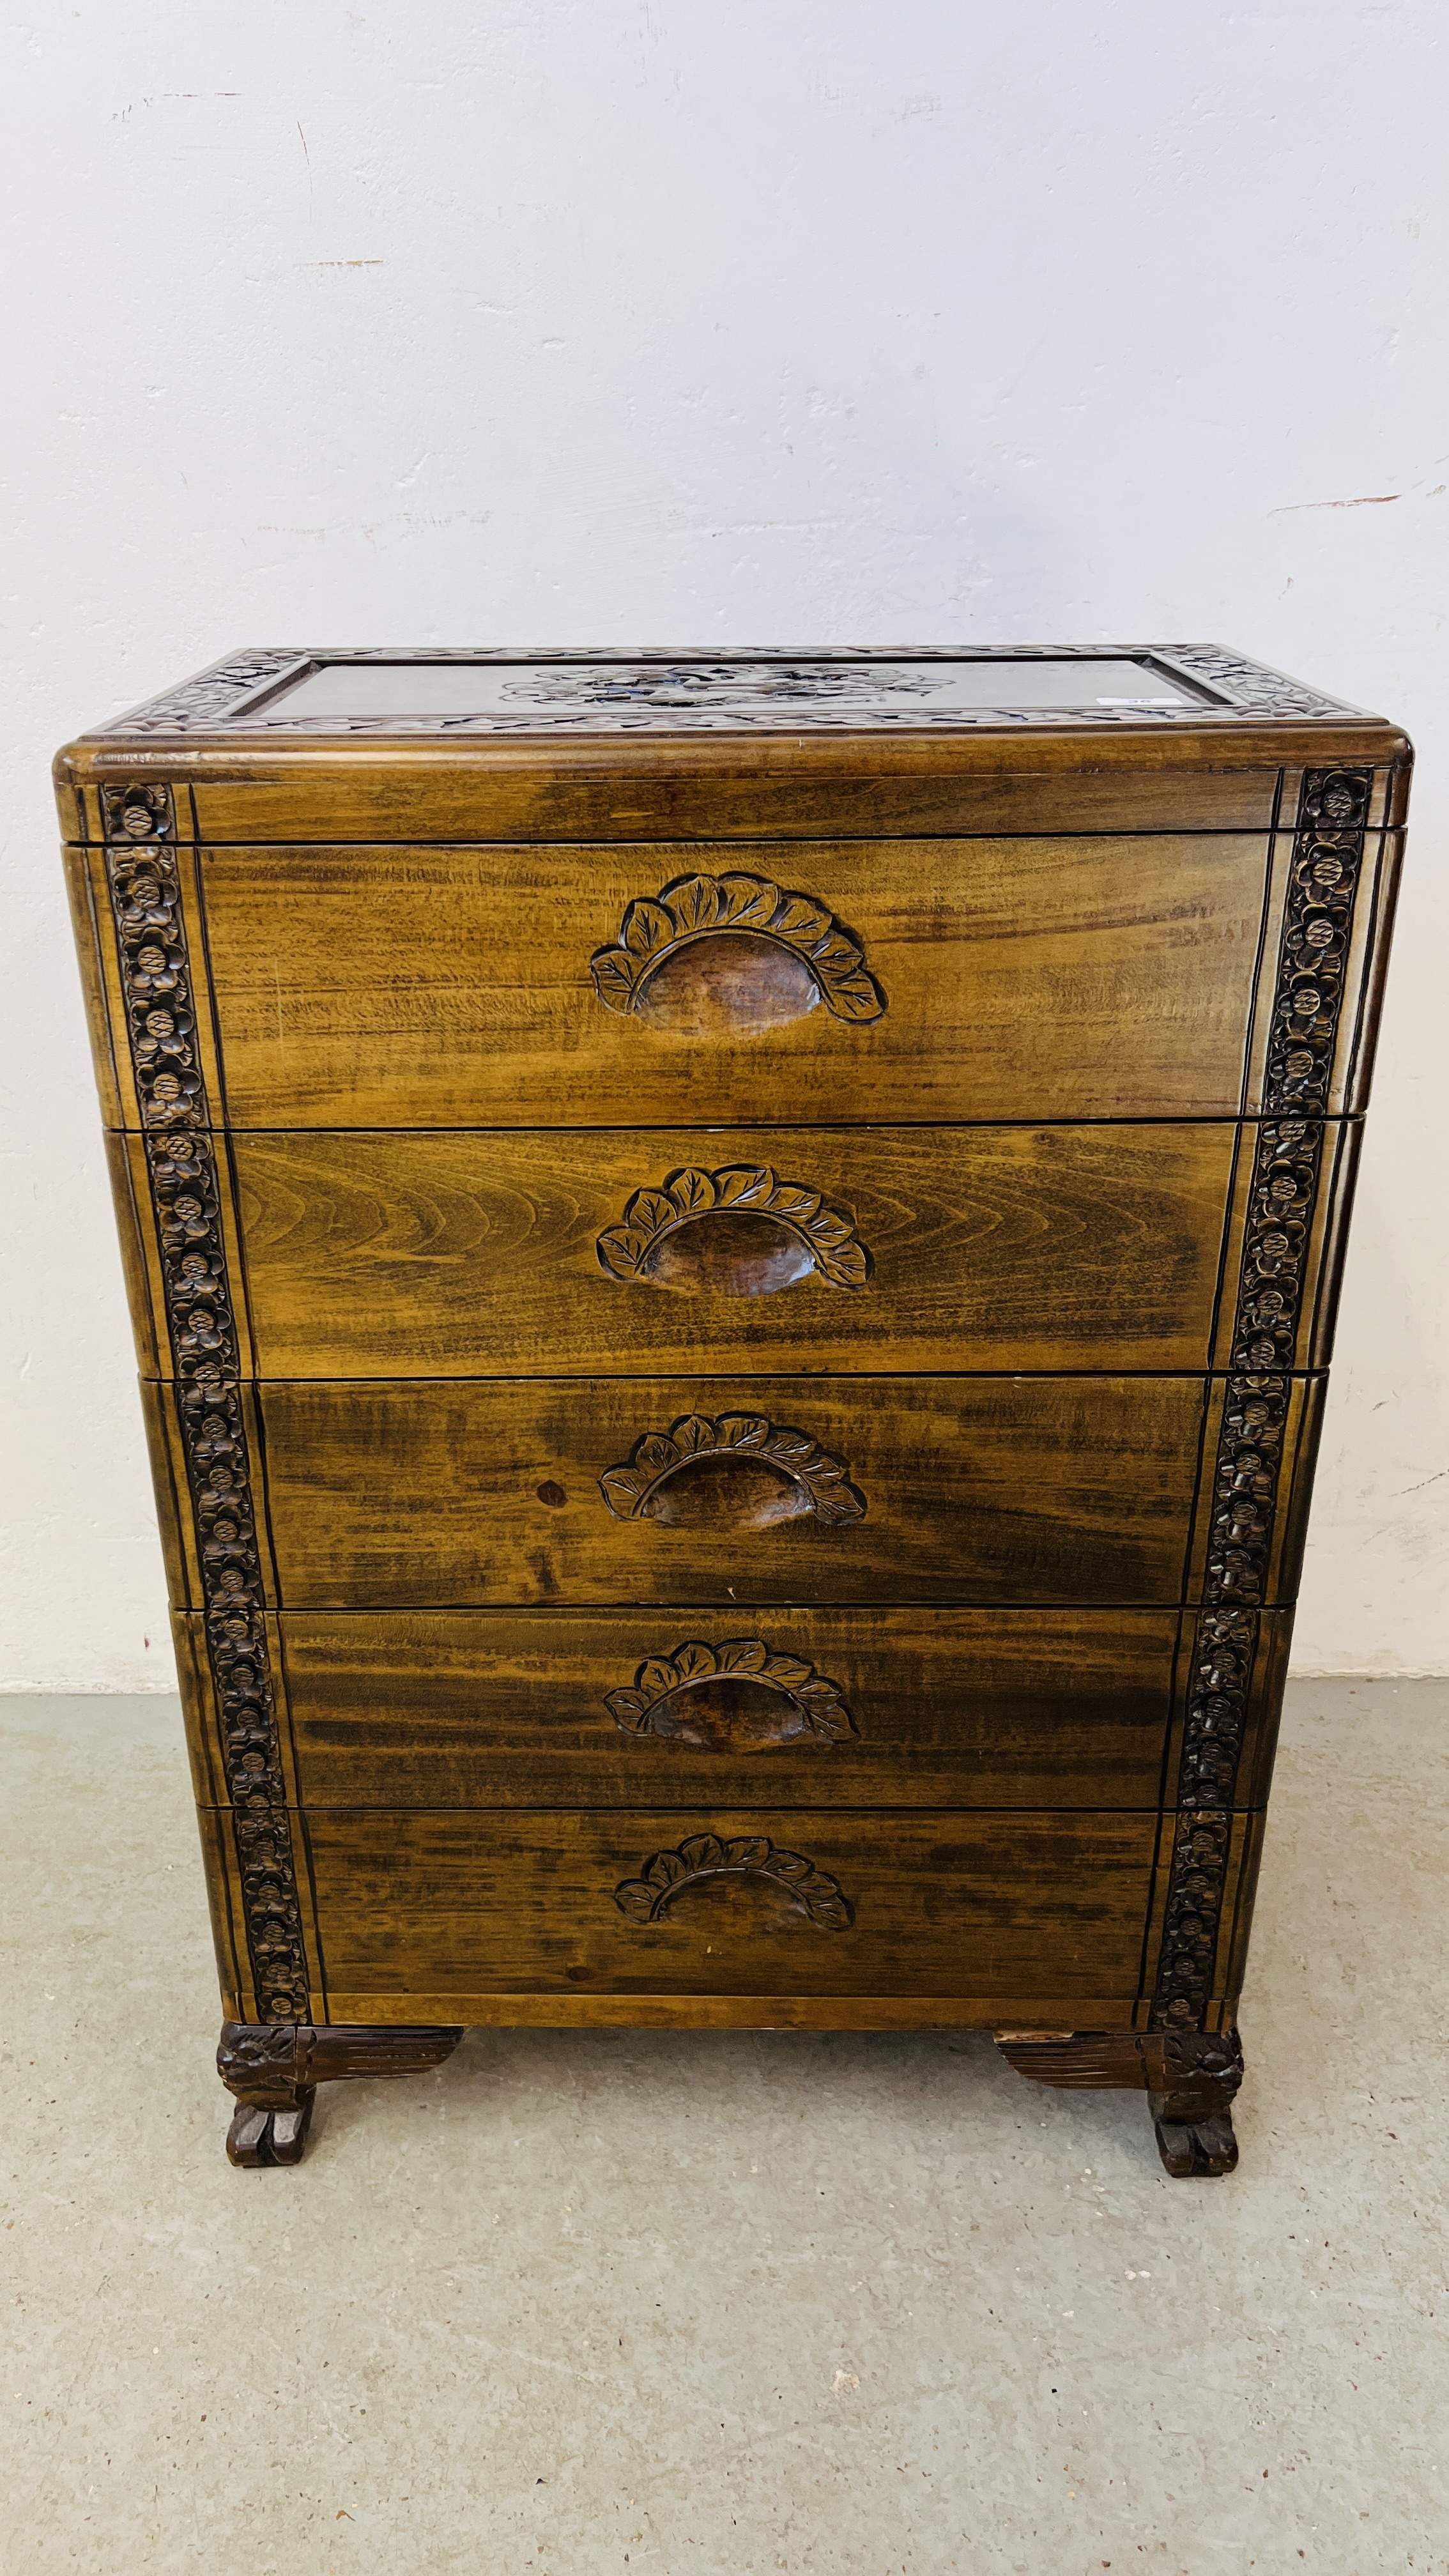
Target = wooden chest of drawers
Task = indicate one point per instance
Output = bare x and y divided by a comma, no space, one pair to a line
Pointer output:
733,1265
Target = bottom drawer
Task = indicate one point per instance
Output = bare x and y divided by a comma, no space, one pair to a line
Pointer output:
439,1912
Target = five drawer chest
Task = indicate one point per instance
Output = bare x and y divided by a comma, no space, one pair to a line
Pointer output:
733,1261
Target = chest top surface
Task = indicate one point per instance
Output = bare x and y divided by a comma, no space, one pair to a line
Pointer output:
269,694
411,747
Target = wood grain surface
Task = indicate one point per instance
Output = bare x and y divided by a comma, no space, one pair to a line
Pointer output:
704,792
1116,777
987,1490
451,1255
940,1708
954,1903
1096,977
492,1708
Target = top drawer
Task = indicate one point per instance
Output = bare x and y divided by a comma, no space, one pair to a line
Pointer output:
1101,976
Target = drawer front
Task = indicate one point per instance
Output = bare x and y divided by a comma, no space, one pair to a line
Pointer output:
608,1491
848,1708
623,986
739,1901
455,1255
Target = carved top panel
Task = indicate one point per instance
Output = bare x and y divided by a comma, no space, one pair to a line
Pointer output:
297,692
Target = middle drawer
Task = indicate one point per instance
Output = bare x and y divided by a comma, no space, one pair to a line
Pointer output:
420,1494
604,1253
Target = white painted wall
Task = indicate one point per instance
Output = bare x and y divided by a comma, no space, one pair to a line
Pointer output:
714,321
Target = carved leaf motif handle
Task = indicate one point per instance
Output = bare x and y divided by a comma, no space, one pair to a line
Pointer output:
711,955
740,1696
739,1232
739,1472
669,1875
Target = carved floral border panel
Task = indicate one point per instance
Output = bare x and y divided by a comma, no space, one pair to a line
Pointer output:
663,692
1324,876
145,889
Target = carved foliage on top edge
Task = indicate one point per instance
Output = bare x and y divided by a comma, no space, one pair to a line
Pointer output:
807,691
1251,688
161,1023
209,699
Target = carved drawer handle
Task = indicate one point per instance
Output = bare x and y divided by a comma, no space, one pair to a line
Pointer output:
710,956
671,1875
736,1697
740,1472
739,1232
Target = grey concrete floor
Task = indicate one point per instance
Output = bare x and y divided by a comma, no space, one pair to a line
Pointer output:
582,2303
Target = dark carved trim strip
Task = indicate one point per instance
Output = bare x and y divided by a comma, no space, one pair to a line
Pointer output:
140,812
1224,1652
161,1021
1190,1924
1307,1006
1245,1488
1313,956
1276,1243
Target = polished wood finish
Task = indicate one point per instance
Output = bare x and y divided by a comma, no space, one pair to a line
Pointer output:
464,1255
941,1708
709,1901
529,1901
1110,977
732,1277
974,1489
1039,978
447,1255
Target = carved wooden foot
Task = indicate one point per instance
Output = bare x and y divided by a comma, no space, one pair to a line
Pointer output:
261,2137
1190,2095
274,2068
1189,2077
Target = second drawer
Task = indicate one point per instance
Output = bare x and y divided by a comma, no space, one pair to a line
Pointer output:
481,1254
